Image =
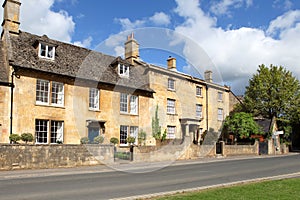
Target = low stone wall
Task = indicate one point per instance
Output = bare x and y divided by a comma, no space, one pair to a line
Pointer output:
237,150
53,156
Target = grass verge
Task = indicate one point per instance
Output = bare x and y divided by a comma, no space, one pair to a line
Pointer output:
279,189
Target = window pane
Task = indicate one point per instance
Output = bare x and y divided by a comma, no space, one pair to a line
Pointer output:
123,134
50,52
123,103
198,110
41,130
42,91
57,94
133,104
56,134
171,84
220,114
220,96
42,50
199,91
134,133
171,132
171,106
123,70
94,98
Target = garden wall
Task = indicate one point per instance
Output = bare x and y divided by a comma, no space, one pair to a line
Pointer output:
53,156
237,150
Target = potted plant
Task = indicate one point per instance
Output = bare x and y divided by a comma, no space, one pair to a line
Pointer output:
84,140
99,139
26,137
14,138
130,140
114,140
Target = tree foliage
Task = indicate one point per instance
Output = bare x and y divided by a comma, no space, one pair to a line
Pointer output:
272,91
242,125
27,137
156,128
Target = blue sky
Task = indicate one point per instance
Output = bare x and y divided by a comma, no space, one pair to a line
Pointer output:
230,37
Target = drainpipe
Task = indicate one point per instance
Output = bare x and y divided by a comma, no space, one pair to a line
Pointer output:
12,85
206,109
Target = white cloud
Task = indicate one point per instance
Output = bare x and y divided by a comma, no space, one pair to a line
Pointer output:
37,17
222,7
128,25
160,18
284,22
85,43
236,53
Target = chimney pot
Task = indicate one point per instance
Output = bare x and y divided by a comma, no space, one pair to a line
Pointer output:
171,63
208,76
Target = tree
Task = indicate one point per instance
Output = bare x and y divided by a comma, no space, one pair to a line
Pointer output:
241,124
156,128
272,91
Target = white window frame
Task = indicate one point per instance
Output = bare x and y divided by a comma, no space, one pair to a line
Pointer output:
123,70
171,106
220,114
57,96
199,108
50,94
47,130
41,131
42,95
171,84
134,104
56,131
171,132
220,96
123,103
123,138
134,131
198,91
48,53
129,104
94,99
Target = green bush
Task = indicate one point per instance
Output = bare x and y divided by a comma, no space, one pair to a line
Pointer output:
114,140
26,137
99,139
130,140
84,140
14,138
142,137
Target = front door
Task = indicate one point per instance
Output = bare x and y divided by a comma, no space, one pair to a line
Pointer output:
92,133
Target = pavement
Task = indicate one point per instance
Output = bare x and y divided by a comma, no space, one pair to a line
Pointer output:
130,167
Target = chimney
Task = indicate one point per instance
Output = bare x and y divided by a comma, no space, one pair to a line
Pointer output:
208,76
171,63
131,49
11,16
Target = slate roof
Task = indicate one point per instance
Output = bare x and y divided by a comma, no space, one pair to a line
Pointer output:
3,71
73,61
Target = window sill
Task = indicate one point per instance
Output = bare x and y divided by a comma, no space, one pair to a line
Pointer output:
174,114
130,114
199,96
94,110
171,90
51,105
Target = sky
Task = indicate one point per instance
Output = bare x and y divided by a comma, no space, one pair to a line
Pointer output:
230,37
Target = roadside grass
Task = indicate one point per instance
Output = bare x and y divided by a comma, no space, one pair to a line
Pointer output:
279,189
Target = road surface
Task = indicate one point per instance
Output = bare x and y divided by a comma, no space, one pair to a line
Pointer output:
109,184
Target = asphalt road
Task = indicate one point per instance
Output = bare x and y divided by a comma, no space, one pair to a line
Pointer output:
108,184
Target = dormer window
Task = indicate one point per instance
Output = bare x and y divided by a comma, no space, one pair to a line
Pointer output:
46,51
123,70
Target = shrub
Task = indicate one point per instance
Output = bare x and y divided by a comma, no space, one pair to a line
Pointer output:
26,137
130,140
14,138
84,140
99,139
114,140
142,137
